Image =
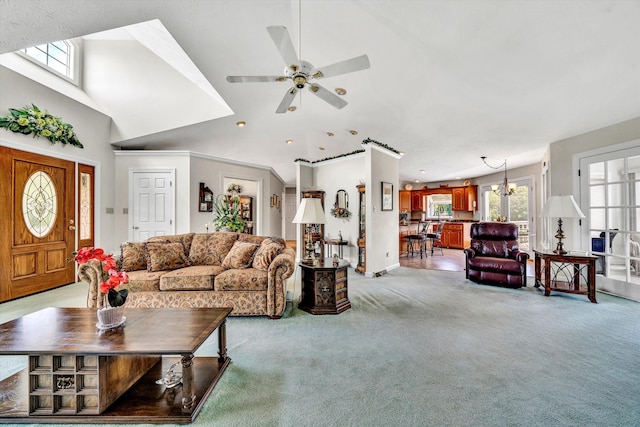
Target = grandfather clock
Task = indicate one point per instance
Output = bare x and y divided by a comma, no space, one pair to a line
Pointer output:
362,232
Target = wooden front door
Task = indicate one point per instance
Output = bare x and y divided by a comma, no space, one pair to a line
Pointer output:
37,225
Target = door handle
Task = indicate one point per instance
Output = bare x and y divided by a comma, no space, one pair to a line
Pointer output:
135,228
72,228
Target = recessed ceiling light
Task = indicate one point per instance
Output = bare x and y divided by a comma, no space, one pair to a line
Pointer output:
341,91
321,148
240,124
353,132
289,141
417,180
292,108
329,133
423,171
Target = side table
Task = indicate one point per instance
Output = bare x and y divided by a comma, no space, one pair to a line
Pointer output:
574,274
324,287
336,242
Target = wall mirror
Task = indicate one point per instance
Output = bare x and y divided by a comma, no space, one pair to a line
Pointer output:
341,205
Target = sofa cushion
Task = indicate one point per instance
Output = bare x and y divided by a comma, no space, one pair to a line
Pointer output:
244,237
211,248
194,278
248,279
268,250
144,281
185,239
490,248
165,256
132,256
500,265
240,255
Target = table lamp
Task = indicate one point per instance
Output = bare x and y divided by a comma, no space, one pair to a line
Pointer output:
561,207
309,212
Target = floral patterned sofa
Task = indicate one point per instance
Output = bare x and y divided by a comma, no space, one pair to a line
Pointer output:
219,269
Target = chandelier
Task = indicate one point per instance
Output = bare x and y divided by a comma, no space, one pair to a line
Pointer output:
505,189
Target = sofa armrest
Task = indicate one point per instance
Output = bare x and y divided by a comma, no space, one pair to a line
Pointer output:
93,273
469,252
280,269
520,256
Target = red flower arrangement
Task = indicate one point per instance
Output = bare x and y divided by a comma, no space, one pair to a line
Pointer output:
116,278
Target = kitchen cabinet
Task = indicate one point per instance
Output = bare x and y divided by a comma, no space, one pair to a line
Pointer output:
417,198
456,235
464,198
405,201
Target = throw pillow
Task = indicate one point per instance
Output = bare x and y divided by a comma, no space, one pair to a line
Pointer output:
211,248
268,250
240,255
132,256
165,256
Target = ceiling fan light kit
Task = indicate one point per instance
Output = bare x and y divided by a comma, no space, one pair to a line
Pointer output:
300,72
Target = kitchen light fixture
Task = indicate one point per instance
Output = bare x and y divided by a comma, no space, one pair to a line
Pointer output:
341,91
240,124
561,207
289,141
505,189
353,132
329,133
292,108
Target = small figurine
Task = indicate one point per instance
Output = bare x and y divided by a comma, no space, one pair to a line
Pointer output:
340,236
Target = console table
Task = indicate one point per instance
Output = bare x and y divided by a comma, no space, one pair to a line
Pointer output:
569,273
79,374
324,287
336,242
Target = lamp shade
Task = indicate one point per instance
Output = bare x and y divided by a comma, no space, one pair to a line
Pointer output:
561,207
309,212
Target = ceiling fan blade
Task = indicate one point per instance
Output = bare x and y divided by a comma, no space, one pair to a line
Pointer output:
328,96
350,65
283,42
255,79
287,100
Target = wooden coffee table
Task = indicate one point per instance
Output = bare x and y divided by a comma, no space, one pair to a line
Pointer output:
80,374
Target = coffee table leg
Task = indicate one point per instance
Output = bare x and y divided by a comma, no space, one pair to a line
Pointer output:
188,385
222,342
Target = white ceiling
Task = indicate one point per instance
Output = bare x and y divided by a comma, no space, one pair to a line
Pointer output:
449,81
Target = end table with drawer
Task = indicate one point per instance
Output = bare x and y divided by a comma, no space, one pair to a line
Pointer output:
324,287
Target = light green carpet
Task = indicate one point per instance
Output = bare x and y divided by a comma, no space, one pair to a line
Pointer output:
428,348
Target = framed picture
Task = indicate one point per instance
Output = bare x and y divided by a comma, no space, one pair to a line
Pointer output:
387,196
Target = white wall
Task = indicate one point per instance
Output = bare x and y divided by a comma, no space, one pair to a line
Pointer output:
91,127
343,173
382,226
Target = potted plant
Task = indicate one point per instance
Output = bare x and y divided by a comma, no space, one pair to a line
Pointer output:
226,213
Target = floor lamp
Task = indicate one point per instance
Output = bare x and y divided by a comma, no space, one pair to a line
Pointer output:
561,207
309,212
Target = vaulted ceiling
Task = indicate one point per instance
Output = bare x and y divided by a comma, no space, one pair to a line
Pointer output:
449,81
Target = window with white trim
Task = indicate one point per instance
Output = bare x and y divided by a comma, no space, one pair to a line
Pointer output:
56,56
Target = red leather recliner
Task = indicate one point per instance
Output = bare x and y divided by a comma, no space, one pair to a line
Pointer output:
494,256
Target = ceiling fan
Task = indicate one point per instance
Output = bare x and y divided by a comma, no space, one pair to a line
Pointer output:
301,73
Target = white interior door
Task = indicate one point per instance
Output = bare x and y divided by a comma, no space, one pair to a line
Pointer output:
152,204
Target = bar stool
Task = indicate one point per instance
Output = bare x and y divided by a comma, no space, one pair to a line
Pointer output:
418,242
434,237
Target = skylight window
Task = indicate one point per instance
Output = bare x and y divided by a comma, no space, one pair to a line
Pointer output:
57,57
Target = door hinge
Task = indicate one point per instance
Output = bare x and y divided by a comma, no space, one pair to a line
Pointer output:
579,172
170,222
